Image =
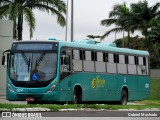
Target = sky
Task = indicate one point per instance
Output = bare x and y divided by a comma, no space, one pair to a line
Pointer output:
87,17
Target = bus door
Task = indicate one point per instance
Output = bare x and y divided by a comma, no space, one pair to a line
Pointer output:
65,75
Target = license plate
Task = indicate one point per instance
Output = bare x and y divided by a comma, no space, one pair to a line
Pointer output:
29,99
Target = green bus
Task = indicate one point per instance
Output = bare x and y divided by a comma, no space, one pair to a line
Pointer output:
78,71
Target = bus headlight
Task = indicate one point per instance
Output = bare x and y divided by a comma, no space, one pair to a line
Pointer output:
10,88
51,89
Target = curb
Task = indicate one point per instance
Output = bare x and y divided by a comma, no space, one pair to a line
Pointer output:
25,109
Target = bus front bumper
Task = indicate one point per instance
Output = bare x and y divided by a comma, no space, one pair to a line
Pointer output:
48,96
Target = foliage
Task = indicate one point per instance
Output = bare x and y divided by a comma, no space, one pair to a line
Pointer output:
154,88
139,16
154,33
119,16
138,43
20,10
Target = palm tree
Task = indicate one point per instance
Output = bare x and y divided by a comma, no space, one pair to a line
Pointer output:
142,16
20,10
120,17
154,32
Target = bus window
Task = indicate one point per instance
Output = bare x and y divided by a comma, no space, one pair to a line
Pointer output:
65,63
144,61
111,66
76,54
122,67
100,64
136,60
77,62
65,66
132,69
88,64
141,67
126,59
105,57
116,58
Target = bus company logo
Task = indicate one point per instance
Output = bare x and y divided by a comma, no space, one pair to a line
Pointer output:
97,82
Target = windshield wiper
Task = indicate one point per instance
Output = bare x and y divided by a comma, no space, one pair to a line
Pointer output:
26,60
28,64
38,61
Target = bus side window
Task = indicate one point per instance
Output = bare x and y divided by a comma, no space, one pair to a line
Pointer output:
111,66
77,60
105,57
65,63
132,68
65,66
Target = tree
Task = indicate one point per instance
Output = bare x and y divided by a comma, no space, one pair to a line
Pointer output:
120,16
20,10
154,32
142,15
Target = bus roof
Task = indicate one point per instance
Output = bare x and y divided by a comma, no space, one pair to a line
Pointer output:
93,45
103,47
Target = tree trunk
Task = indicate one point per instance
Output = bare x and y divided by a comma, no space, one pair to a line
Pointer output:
20,26
123,40
14,30
128,45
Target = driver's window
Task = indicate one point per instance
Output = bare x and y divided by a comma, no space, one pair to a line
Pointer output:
65,63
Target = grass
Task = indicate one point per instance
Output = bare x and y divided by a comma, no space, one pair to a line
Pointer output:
155,89
55,107
152,102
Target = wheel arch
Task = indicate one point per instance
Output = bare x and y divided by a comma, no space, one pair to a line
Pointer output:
125,87
78,92
77,87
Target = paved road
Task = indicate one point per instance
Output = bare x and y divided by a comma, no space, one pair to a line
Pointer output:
109,113
3,100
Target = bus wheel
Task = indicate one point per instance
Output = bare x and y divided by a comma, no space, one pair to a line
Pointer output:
124,97
77,96
75,100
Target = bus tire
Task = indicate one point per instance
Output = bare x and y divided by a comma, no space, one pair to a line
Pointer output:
124,97
77,96
75,100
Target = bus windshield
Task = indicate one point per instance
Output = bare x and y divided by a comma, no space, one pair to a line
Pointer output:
29,67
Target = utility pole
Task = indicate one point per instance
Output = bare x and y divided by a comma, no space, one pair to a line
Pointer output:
72,20
66,22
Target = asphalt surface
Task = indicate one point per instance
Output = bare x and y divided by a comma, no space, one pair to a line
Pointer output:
102,114
3,100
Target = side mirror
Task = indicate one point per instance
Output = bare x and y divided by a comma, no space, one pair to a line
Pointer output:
66,60
3,57
3,60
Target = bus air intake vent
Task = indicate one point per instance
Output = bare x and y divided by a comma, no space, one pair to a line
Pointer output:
85,41
107,44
